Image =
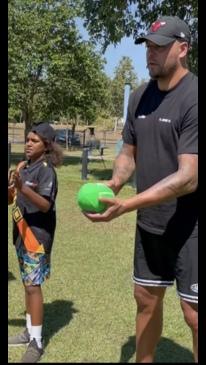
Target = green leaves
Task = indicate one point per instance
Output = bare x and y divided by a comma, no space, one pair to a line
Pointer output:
51,70
124,73
108,21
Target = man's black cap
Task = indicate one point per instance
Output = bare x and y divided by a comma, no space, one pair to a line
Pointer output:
44,130
166,30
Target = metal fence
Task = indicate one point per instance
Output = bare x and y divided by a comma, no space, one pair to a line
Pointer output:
106,137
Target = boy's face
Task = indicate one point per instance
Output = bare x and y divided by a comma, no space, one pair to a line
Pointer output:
34,147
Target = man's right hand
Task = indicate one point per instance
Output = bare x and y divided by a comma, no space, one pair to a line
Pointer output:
112,184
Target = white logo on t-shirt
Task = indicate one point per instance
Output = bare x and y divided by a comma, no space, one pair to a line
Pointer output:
165,120
194,288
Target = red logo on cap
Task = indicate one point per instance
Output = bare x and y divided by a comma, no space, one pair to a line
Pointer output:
156,25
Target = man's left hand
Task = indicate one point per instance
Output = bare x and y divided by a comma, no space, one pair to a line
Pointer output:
116,207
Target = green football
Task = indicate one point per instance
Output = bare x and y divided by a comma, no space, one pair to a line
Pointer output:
89,194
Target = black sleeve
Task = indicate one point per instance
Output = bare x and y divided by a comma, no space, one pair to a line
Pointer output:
47,184
188,141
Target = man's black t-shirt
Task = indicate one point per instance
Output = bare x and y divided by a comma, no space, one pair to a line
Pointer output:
162,125
42,224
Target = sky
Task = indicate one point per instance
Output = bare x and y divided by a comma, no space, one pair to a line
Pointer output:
126,48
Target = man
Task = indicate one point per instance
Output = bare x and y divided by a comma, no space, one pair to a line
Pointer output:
160,140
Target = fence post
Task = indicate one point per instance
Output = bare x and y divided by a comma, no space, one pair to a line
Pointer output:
84,163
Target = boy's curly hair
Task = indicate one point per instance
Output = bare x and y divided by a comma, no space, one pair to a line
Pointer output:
54,153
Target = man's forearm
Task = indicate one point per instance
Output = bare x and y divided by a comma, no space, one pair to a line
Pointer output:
169,188
124,167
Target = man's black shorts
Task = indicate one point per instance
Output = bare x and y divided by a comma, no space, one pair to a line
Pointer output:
161,259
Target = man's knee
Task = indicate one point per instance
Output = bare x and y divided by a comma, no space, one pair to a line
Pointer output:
148,297
190,311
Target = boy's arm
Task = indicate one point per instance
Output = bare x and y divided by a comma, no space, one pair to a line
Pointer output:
41,203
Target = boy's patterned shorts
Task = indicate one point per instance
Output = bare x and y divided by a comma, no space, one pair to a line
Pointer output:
34,267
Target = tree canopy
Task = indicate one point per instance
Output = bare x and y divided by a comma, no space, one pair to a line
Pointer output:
132,17
52,71
124,74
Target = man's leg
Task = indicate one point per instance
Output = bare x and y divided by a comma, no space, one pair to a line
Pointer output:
149,320
190,311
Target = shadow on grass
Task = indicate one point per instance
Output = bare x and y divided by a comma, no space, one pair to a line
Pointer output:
167,352
16,157
105,174
71,160
57,315
96,168
11,276
67,160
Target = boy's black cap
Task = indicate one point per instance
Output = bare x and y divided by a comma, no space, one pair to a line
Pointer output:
44,130
166,30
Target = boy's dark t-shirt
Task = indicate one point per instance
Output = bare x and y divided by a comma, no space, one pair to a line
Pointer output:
42,224
163,124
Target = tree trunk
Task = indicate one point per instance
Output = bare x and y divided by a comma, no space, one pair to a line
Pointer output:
73,128
28,122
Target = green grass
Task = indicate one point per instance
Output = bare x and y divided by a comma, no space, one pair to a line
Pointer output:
89,305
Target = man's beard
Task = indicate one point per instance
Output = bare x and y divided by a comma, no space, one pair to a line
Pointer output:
163,72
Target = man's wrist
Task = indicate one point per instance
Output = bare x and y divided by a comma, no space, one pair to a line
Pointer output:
116,184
